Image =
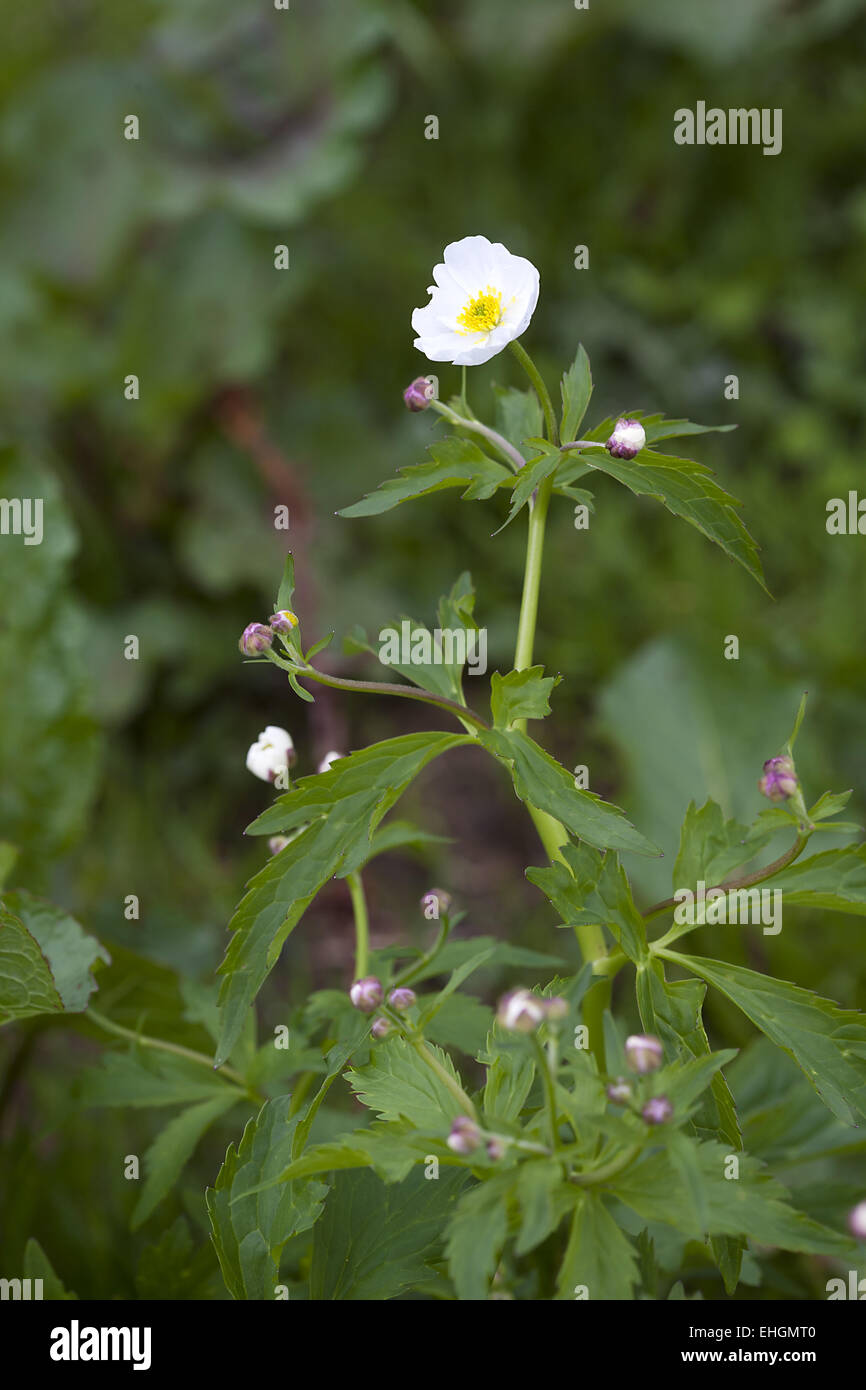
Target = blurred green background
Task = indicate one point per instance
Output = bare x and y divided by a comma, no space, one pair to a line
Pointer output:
259,387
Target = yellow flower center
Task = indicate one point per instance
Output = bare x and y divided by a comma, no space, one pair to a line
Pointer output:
483,313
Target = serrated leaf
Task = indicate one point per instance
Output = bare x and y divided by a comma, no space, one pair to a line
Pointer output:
543,1199
599,1257
688,490
711,847
398,1084
827,1042
476,1234
249,1232
610,904
172,1149
510,1074
375,1242
835,879
45,959
830,804
576,391
543,782
340,808
520,695
454,462
527,480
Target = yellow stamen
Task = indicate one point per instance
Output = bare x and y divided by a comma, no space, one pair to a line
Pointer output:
483,313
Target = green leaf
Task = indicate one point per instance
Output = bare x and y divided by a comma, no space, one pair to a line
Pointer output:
827,1042
599,1257
401,834
172,1149
528,478
461,1021
375,1242
435,657
398,1084
610,904
476,1235
576,390
520,695
462,973
568,885
8,859
543,1198
45,959
286,591
518,415
510,1074
687,489
753,1204
340,808
711,847
454,462
658,427
542,782
249,1231
145,1078
835,880
830,804
38,1266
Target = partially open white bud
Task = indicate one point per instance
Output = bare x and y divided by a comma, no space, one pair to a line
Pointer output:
521,1011
644,1053
628,438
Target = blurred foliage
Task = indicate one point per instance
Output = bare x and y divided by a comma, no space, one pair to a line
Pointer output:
258,387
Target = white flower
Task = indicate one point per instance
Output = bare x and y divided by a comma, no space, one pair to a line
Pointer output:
483,298
329,758
271,754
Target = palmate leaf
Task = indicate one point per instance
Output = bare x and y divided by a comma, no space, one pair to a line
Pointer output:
249,1231
754,1204
688,490
545,784
45,959
827,1042
454,462
340,809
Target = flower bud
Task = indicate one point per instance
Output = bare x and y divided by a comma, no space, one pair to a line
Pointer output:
435,902
857,1221
657,1110
495,1149
619,1092
520,1011
328,760
644,1053
465,1135
271,754
255,639
419,394
367,994
381,1028
402,1000
779,780
283,621
628,438
277,843
555,1008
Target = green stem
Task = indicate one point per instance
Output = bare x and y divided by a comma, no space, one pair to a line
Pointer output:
513,457
541,390
362,924
233,1077
607,1170
747,880
547,1082
411,972
408,692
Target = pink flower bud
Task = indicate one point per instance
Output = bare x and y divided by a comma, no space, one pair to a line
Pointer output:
367,994
419,394
555,1008
381,1028
628,438
255,639
520,1011
495,1149
657,1110
283,621
644,1053
402,1000
779,780
619,1092
465,1135
857,1221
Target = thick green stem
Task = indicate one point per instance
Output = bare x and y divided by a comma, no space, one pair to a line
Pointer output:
233,1077
362,924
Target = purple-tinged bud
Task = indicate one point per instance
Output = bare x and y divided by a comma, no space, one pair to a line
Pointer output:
644,1053
436,902
628,438
255,639
657,1110
328,761
495,1149
402,1000
283,621
520,1011
419,394
465,1135
779,780
381,1028
555,1008
367,994
619,1092
857,1221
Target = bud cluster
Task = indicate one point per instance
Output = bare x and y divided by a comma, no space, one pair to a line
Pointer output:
257,638
521,1011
